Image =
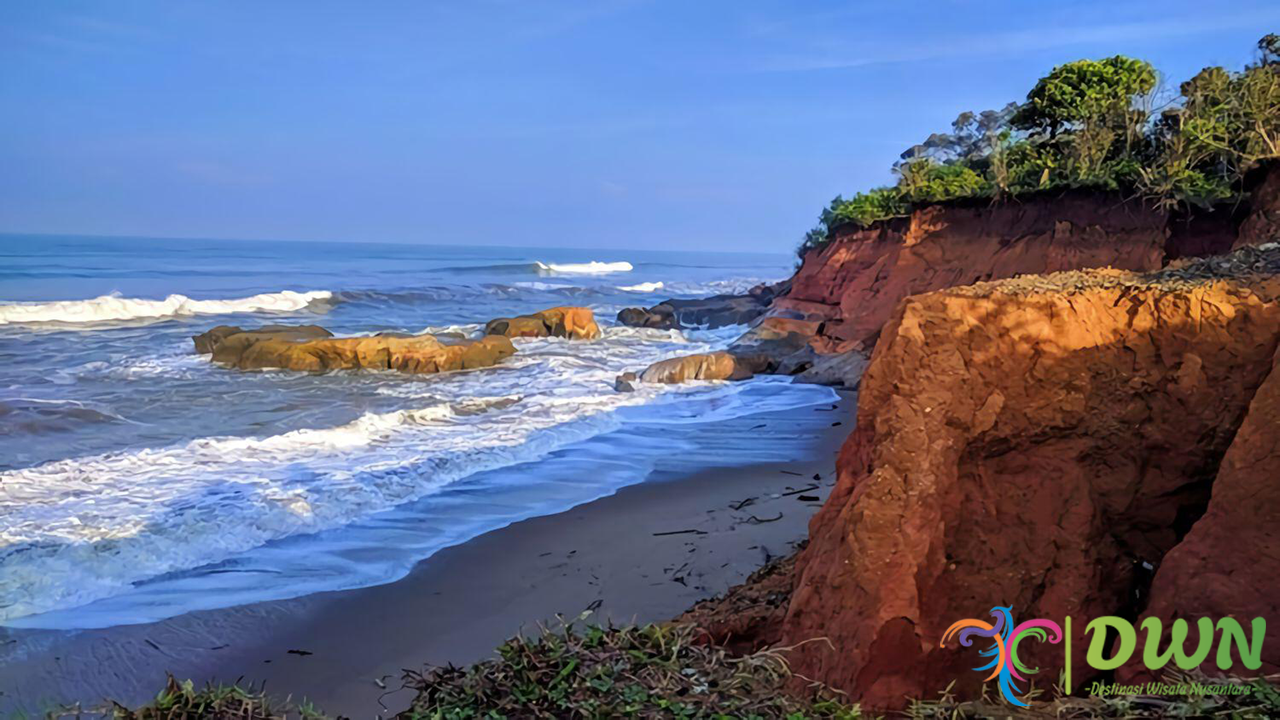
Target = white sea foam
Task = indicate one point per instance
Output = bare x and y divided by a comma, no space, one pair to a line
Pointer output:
647,287
114,307
733,286
594,267
87,528
533,285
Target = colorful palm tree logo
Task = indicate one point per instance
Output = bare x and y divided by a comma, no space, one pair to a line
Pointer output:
1003,652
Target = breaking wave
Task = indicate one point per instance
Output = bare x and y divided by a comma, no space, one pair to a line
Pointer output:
588,268
113,307
647,287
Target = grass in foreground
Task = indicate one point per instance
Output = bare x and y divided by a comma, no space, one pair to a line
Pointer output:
662,671
650,671
181,700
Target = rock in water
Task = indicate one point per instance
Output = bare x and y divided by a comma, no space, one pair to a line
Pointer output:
1031,444
626,382
705,366
206,341
576,323
840,369
659,317
711,312
262,349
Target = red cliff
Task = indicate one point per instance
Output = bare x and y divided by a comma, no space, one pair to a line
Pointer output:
856,280
1229,564
1038,443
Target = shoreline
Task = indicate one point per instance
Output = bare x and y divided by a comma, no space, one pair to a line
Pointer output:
646,553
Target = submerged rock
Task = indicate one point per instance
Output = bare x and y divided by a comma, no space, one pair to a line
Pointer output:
710,312
1035,444
659,317
626,382
206,341
315,352
576,323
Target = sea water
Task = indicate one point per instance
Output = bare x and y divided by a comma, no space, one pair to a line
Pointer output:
139,481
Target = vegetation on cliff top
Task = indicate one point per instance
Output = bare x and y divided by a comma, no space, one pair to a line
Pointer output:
1092,124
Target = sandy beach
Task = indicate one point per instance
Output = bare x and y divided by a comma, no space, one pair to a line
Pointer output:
645,553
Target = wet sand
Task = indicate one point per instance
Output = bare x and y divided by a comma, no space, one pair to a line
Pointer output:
645,553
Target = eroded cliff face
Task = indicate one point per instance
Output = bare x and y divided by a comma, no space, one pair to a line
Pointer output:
1032,443
853,284
1229,564
1263,222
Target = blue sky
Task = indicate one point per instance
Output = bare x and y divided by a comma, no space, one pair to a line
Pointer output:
667,125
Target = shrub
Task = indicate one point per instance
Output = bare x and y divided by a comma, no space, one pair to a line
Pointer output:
927,181
872,206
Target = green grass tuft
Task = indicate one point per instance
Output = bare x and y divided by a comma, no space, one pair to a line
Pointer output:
650,671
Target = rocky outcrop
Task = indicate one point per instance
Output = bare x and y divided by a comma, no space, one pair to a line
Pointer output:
1263,223
839,370
852,285
575,323
206,341
705,366
711,312
315,350
1229,564
1037,443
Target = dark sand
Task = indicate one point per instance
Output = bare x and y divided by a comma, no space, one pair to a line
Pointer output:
459,604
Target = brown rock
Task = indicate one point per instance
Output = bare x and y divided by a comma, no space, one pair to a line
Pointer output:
660,317
779,335
206,341
1028,444
577,323
706,366
416,354
626,382
839,369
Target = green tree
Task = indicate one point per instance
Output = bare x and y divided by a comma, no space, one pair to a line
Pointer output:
1088,111
1084,92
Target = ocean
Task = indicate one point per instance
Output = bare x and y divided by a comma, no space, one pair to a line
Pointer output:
138,481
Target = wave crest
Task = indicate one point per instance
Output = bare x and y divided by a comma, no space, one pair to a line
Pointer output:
645,287
594,267
114,307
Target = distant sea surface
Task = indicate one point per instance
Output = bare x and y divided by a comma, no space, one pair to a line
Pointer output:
139,481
